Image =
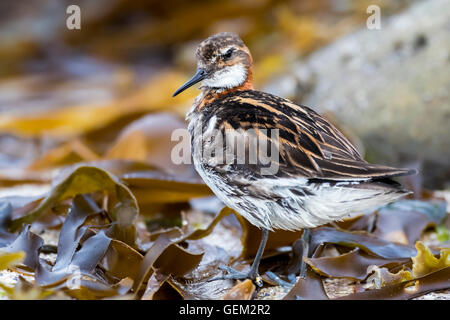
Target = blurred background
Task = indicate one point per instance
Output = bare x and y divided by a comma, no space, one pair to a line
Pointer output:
104,91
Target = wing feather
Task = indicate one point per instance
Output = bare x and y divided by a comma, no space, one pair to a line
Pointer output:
309,145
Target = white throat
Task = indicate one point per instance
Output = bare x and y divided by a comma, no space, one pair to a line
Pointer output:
227,78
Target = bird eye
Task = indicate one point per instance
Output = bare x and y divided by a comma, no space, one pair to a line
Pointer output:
227,55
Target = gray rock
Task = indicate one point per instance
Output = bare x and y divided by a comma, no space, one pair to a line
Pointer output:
390,87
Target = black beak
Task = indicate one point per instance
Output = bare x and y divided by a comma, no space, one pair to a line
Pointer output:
198,76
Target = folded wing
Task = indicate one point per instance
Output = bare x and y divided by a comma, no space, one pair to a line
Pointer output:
309,146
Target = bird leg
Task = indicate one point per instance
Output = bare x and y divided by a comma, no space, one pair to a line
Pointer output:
306,239
253,274
287,285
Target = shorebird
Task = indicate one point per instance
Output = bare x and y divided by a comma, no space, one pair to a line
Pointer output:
321,177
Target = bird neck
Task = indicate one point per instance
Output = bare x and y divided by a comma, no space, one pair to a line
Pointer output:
248,83
208,95
218,92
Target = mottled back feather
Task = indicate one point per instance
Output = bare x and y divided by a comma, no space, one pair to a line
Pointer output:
309,145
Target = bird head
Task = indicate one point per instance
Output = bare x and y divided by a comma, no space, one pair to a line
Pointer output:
223,62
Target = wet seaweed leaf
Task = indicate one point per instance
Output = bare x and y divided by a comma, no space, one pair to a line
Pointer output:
93,289
404,221
160,245
158,187
438,280
164,256
83,261
121,261
86,179
25,290
5,218
168,291
354,264
308,288
73,230
154,284
177,261
425,261
363,240
116,167
10,259
381,277
242,291
28,242
80,251
434,210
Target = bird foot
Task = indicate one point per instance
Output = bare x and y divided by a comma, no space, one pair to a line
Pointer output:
287,285
233,274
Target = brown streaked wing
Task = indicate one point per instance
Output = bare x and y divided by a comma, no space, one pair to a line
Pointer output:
309,147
